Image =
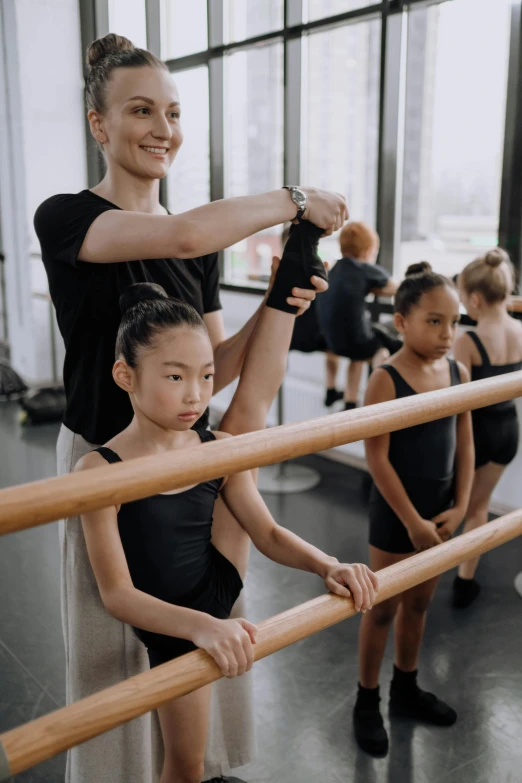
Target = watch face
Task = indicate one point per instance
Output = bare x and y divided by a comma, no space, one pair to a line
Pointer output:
299,197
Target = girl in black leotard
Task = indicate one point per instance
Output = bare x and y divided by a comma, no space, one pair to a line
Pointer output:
422,478
493,349
157,564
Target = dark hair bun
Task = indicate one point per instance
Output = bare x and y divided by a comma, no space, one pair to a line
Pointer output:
109,44
138,293
496,257
421,268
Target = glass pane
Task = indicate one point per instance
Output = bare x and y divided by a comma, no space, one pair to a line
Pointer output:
320,9
188,181
341,118
128,18
253,149
454,132
241,23
183,27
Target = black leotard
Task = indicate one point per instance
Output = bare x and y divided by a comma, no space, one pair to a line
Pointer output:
424,458
495,427
167,544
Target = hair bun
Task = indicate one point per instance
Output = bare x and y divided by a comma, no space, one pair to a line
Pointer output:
141,292
496,257
420,268
109,44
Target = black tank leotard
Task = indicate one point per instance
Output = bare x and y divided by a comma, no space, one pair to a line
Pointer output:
167,543
424,458
495,427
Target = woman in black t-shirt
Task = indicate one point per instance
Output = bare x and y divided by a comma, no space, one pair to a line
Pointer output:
94,244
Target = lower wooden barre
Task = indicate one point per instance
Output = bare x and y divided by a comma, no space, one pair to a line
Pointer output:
69,496
50,735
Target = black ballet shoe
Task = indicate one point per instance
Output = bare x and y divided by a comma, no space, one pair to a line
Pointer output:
421,706
368,724
464,592
299,262
350,406
226,779
332,395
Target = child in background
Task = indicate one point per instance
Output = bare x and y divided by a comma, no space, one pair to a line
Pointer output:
422,479
159,564
493,349
343,319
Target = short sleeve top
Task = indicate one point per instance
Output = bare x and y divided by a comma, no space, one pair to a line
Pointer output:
342,311
86,299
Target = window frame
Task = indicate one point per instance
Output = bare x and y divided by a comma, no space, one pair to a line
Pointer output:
393,16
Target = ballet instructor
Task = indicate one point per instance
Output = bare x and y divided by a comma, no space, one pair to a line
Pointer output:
94,244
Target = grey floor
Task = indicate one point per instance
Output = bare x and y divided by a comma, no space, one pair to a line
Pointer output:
305,693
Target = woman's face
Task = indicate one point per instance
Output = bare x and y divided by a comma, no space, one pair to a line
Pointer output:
173,382
140,129
430,327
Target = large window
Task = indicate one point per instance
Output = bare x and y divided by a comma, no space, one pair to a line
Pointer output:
253,149
341,117
127,17
183,27
457,66
319,9
188,181
242,21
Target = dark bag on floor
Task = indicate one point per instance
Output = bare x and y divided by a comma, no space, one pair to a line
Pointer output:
44,405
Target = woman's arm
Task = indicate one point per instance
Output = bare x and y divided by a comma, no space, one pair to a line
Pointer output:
282,546
421,532
118,235
390,289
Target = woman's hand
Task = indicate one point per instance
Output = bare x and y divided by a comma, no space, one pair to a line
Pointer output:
353,581
301,297
326,210
424,535
229,642
448,522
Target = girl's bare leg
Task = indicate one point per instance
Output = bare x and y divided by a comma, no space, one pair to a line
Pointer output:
332,368
484,482
353,381
410,623
375,624
184,726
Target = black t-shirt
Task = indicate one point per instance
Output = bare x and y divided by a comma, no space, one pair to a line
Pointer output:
86,298
343,318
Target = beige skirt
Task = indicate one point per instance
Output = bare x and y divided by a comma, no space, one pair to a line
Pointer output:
101,651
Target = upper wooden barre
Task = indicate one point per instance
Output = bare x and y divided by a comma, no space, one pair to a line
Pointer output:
27,505
52,734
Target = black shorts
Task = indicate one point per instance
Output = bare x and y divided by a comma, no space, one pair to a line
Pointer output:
357,352
429,496
496,436
215,595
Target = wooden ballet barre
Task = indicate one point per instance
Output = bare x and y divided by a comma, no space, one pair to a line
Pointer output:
515,304
28,505
41,739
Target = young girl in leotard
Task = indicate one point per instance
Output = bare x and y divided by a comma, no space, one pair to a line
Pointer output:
422,479
493,349
155,563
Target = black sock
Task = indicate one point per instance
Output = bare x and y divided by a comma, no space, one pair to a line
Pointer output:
332,395
298,263
404,681
350,406
367,698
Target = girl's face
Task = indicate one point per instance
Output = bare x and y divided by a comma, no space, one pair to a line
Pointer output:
173,382
430,327
140,130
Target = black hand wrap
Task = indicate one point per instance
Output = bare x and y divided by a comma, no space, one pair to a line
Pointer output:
299,262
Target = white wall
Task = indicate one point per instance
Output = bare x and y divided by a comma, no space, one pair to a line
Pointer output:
45,138
304,391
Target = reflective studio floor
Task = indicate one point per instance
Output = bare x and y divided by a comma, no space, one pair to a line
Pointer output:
305,693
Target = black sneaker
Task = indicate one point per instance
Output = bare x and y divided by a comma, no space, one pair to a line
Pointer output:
369,730
464,592
332,395
422,706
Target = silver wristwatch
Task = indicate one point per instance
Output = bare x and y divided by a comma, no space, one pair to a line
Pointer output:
299,199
